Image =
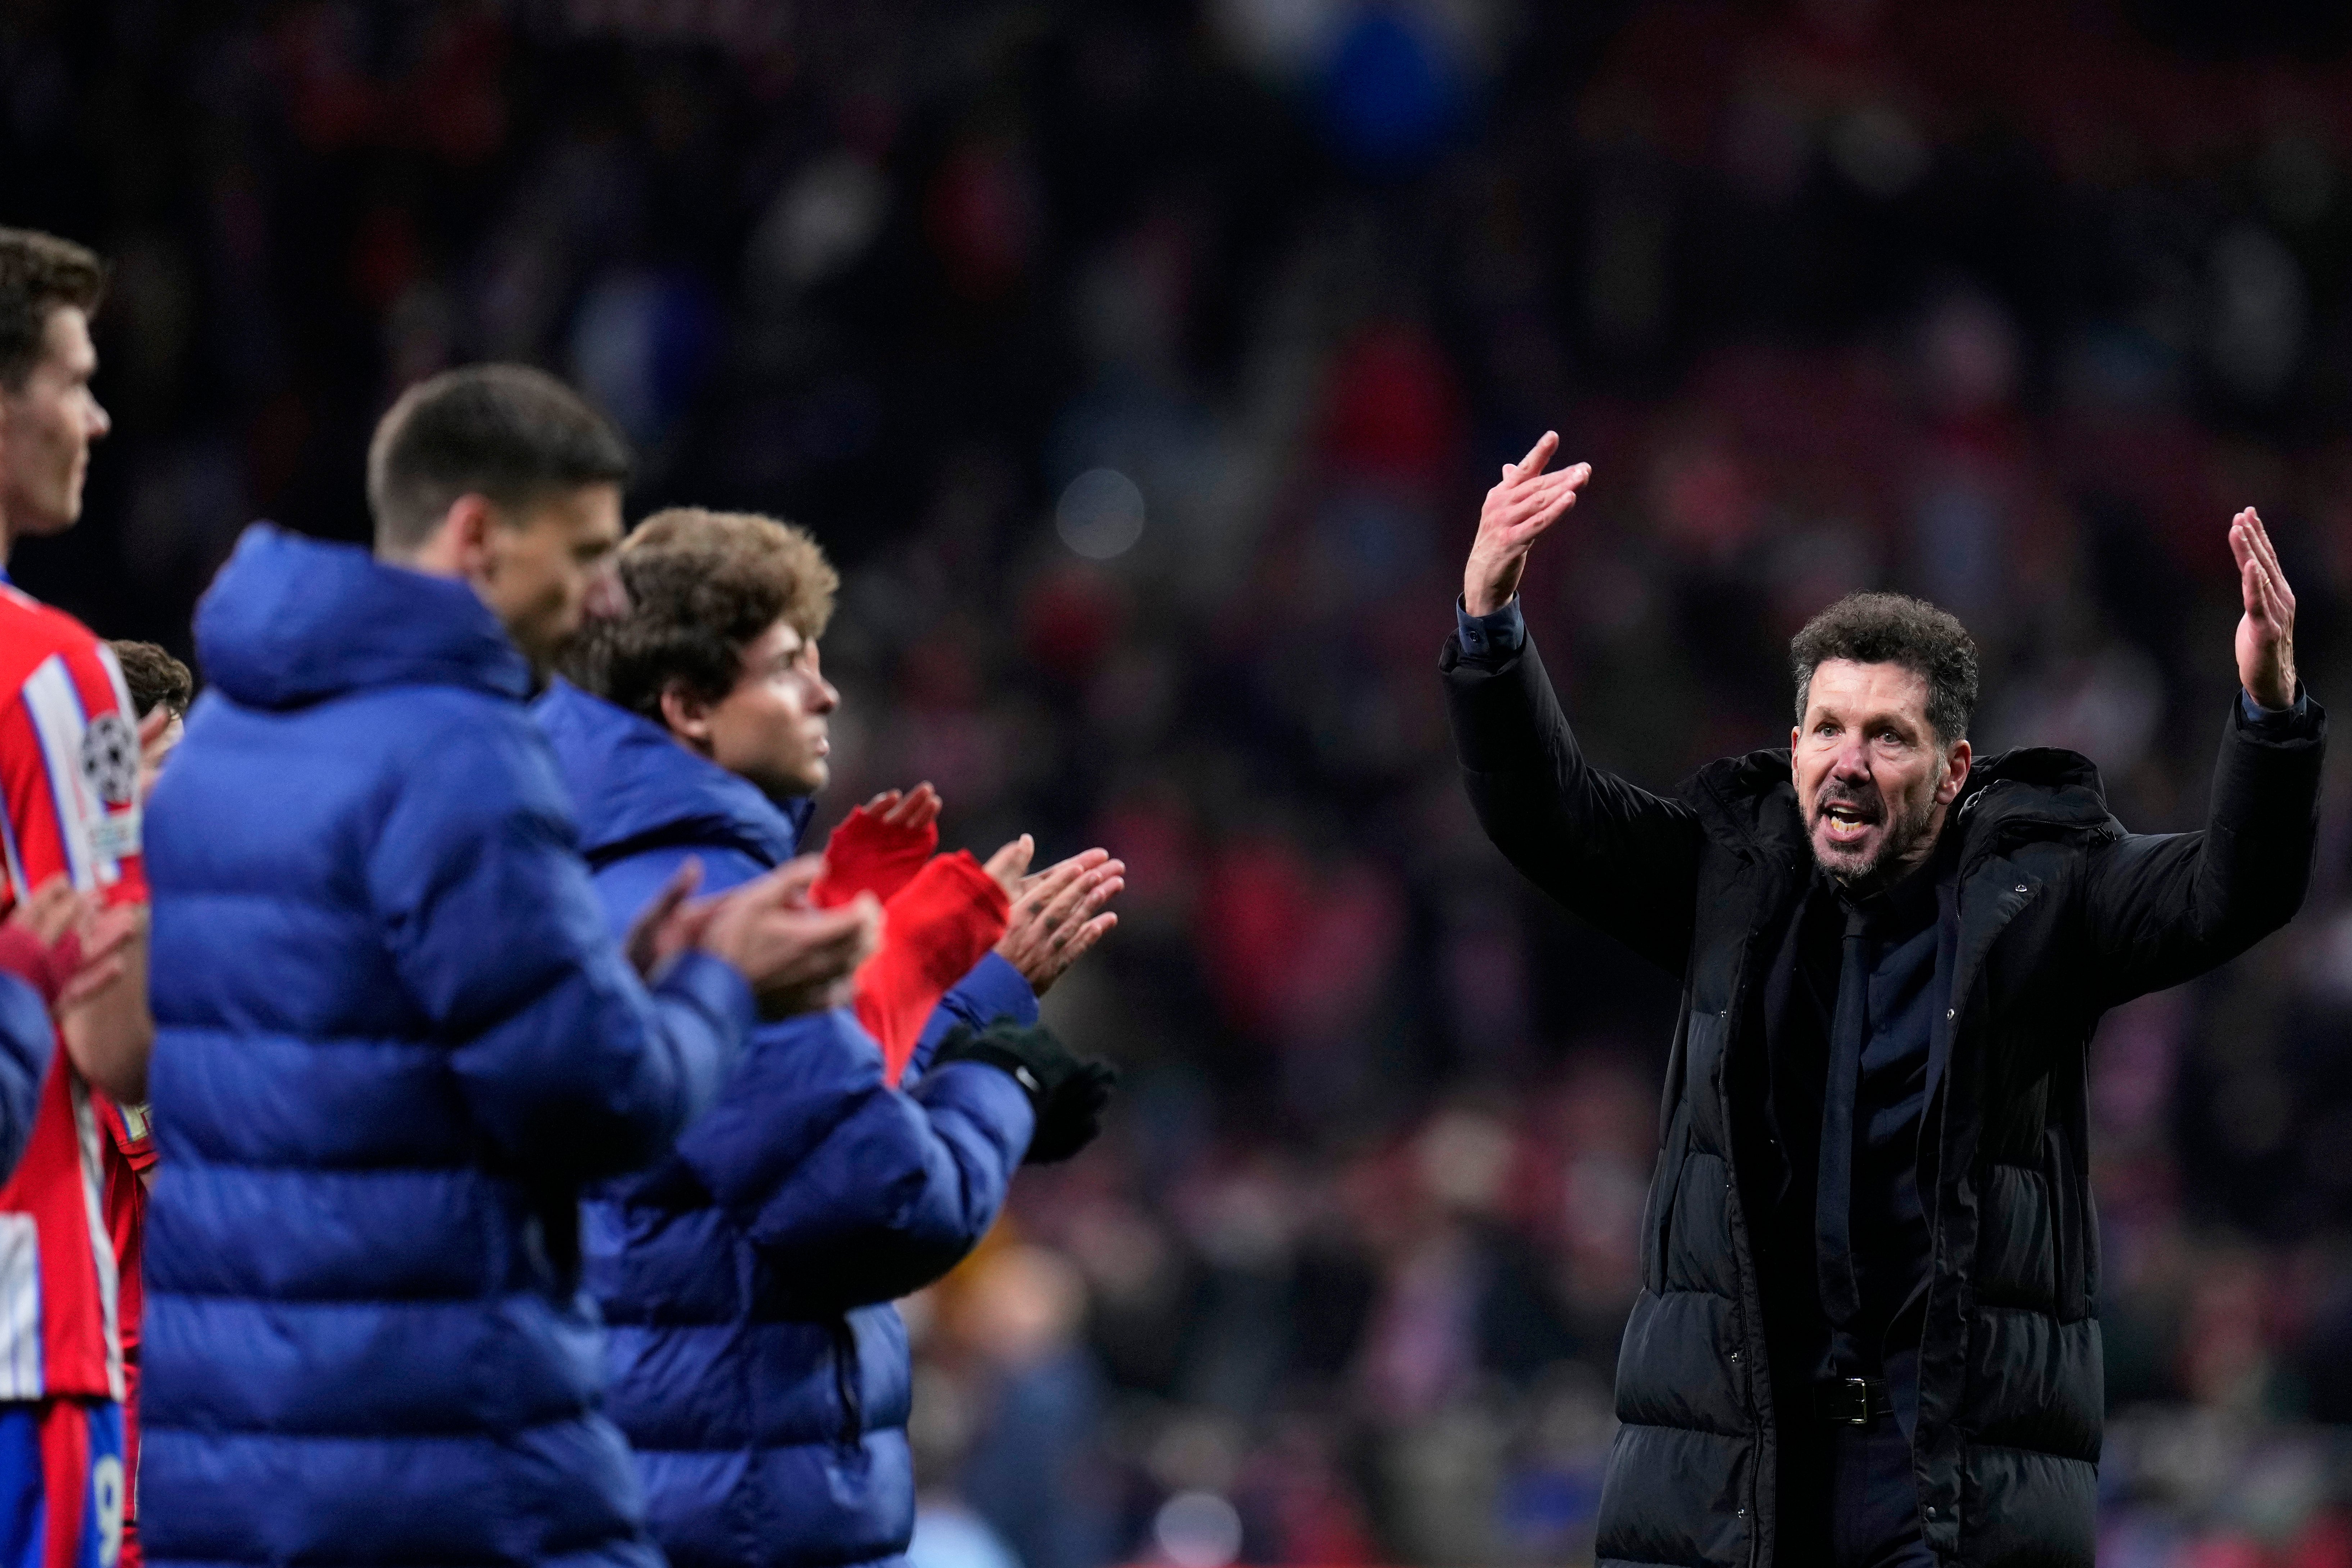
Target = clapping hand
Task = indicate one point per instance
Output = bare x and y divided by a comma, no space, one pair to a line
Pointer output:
879,847
798,958
1058,913
79,939
669,923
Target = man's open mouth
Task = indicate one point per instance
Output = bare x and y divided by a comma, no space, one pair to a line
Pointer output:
1847,820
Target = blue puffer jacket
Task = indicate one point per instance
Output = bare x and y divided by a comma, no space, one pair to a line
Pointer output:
757,1367
395,1039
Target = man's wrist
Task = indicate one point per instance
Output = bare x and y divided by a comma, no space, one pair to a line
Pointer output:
2257,718
1498,635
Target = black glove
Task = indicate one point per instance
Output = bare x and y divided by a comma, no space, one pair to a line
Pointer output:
1066,1093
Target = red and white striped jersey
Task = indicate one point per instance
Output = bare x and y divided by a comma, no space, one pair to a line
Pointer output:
68,803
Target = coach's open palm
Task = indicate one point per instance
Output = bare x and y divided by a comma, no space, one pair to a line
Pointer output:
2266,632
1518,509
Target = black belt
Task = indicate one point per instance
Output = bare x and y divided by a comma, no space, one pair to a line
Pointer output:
1854,1401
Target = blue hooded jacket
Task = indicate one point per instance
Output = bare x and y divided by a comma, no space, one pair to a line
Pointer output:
395,1040
757,1367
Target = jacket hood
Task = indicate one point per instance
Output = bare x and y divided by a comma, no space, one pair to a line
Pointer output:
2028,791
2033,786
292,621
632,786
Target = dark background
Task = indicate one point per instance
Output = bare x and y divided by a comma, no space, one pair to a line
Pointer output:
1142,365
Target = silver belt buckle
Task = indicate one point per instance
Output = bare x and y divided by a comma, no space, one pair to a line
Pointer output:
1861,1389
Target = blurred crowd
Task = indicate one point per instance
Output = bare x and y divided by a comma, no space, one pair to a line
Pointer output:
1142,364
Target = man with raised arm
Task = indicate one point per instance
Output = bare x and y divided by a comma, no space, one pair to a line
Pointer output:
1865,1332
394,1037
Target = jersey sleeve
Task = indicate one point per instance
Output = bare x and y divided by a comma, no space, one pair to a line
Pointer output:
132,1134
70,776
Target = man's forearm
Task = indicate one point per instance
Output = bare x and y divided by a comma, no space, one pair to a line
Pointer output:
2265,811
1622,858
109,1036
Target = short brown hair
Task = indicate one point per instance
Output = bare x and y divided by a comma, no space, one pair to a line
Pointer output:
703,586
155,678
506,432
39,273
1894,628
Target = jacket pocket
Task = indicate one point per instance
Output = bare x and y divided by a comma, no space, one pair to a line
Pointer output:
2017,1252
1702,1053
2069,1228
1665,1187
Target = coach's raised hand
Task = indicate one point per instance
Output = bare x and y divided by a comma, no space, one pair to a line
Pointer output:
2267,631
1527,501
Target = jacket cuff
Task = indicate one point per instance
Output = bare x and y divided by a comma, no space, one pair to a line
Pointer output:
2266,780
1490,638
995,990
988,1091
1500,711
2301,720
716,987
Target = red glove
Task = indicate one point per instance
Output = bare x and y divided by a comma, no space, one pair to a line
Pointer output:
867,855
933,932
45,969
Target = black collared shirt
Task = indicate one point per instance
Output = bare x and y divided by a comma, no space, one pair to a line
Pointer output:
1903,992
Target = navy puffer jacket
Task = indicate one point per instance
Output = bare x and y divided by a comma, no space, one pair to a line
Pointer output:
394,1039
757,1366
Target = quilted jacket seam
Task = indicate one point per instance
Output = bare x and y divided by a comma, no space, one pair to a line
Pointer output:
1975,1445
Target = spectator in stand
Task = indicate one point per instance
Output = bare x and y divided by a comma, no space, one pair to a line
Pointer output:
161,689
69,779
396,1039
757,1365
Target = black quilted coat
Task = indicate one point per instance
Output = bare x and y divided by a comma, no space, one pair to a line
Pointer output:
2062,915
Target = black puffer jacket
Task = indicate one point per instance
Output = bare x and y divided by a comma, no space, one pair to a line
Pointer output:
2062,914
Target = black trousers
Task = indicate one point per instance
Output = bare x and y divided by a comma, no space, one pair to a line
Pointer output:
1848,1498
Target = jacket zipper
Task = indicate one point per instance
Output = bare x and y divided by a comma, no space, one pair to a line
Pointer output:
847,1383
1731,1169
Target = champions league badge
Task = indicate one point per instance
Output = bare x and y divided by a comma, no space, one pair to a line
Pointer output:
110,758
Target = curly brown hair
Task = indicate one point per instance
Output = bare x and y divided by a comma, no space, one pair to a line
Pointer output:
38,274
1894,628
153,677
703,586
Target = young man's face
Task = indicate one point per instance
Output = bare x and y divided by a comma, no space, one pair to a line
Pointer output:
544,572
46,429
152,753
772,729
1872,781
